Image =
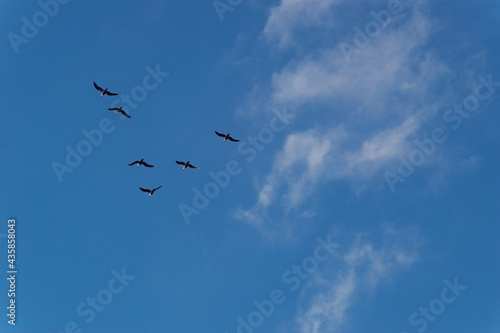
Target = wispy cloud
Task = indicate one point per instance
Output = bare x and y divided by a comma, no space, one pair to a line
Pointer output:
378,102
307,152
312,157
291,14
363,268
375,80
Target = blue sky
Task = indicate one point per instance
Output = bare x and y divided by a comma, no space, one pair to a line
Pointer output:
362,196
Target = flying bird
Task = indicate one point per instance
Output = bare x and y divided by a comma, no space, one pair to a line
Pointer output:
226,137
120,110
186,165
104,91
141,162
149,191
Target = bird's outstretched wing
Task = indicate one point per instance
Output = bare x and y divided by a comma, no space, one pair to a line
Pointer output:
220,134
192,166
110,93
147,165
181,163
125,114
134,163
114,109
234,140
145,190
157,188
97,87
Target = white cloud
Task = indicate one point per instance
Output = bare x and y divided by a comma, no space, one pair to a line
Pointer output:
306,152
331,304
310,158
380,74
365,266
383,97
284,18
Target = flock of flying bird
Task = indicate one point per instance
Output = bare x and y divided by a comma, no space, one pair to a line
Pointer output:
141,162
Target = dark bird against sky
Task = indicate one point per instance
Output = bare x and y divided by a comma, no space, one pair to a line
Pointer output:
141,162
186,165
226,137
149,191
104,91
120,110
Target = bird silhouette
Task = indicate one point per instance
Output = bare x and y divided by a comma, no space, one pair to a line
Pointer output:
149,191
141,162
120,110
186,165
226,137
104,91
